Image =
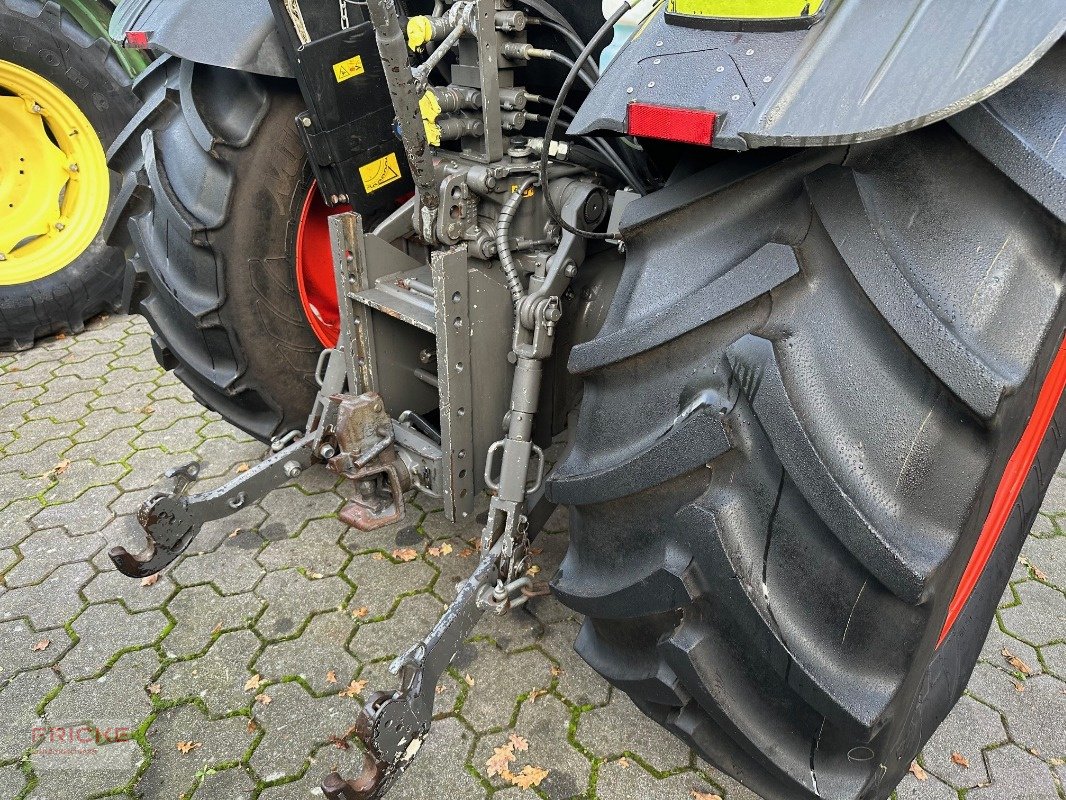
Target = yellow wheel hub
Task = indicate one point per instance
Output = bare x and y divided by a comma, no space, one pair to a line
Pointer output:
54,181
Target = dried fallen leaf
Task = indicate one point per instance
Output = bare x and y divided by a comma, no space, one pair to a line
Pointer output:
59,468
441,550
235,533
154,688
534,570
536,551
253,683
537,693
556,670
1039,574
623,762
150,580
960,759
251,727
338,742
187,747
243,467
41,645
698,795
315,576
215,631
331,677
466,552
354,689
529,777
1018,685
441,689
378,556
148,410
361,613
518,743
499,762
264,699
1017,663
469,679
405,554
917,771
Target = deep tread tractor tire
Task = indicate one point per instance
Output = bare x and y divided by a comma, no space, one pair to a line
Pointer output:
46,40
794,424
215,175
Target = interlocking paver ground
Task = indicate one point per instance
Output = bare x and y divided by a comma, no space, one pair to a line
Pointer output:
282,591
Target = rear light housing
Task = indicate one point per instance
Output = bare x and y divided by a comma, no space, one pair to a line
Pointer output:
137,40
686,125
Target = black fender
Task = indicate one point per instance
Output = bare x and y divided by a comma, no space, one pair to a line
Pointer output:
864,70
240,36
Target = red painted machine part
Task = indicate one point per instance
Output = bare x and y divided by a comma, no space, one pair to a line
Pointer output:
1010,487
314,267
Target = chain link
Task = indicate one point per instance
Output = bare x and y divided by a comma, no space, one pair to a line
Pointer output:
297,17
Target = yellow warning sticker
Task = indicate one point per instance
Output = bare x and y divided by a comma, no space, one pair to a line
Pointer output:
380,173
530,192
348,68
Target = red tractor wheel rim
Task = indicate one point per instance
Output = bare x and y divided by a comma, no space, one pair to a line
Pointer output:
314,267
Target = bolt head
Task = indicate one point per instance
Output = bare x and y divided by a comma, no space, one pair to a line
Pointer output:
37,108
60,226
74,168
3,257
306,122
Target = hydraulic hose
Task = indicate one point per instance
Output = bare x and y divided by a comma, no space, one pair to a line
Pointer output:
503,242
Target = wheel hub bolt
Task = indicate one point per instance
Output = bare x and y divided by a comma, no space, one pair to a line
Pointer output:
3,257
37,108
74,167
60,226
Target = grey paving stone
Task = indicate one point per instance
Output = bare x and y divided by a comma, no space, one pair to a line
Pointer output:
113,447
624,779
147,468
998,641
230,784
51,602
1016,775
232,571
319,650
578,682
79,476
12,781
315,549
292,598
217,677
218,535
1055,659
413,617
116,698
438,771
328,758
179,437
380,583
1049,557
104,630
17,643
172,772
619,728
44,550
15,518
499,680
19,700
969,728
201,611
1040,618
113,585
1034,715
544,725
294,723
91,771
86,514
910,788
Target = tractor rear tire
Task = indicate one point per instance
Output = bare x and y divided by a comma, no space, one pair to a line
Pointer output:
217,175
46,41
821,388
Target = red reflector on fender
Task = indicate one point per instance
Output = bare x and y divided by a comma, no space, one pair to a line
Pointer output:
137,40
1010,486
672,124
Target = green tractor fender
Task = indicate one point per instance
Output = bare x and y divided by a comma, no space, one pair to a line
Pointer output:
240,36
